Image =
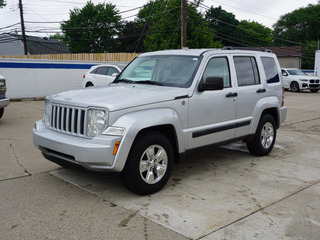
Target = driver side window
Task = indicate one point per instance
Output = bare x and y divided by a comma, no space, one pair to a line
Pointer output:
218,67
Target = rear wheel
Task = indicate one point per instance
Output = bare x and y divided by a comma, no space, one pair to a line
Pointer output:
314,90
295,87
1,112
149,164
264,138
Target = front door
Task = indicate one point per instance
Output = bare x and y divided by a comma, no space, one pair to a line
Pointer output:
212,114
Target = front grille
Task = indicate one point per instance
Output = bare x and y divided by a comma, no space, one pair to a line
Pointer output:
314,85
70,120
314,81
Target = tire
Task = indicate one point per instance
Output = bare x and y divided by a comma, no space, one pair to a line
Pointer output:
294,86
264,138
144,172
1,112
314,90
89,84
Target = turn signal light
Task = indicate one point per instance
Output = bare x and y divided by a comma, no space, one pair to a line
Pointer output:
116,147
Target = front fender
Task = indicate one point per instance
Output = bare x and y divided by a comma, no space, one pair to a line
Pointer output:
137,121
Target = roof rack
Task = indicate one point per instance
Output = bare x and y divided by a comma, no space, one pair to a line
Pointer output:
246,48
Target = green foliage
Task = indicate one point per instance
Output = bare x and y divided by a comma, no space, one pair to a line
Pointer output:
58,36
161,21
92,28
224,25
308,54
129,37
253,34
2,3
300,25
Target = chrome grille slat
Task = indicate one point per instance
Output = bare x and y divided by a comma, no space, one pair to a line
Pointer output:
70,120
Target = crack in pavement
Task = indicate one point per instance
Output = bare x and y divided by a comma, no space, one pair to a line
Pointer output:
17,159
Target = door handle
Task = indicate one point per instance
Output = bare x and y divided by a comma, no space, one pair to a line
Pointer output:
261,90
231,94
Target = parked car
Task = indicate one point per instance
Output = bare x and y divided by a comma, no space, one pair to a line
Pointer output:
159,107
100,75
296,80
4,101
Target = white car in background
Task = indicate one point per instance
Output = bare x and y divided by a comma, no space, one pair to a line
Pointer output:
296,80
100,75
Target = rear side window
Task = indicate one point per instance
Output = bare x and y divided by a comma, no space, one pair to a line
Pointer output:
102,70
270,68
247,71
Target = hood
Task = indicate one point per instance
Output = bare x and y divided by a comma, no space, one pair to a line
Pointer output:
303,77
118,96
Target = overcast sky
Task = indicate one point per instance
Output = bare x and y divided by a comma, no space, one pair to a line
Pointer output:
266,12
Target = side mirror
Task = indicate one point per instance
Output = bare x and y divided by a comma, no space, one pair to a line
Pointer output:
284,74
115,75
211,84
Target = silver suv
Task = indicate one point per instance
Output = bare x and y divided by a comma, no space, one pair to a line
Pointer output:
161,105
4,101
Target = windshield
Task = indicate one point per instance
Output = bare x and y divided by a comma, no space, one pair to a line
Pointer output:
296,72
168,70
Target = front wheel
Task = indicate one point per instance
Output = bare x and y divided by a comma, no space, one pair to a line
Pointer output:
295,87
149,164
264,138
1,112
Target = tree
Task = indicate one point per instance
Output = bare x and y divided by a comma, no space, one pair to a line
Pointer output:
2,3
59,37
308,54
92,28
129,37
161,26
224,25
301,25
253,34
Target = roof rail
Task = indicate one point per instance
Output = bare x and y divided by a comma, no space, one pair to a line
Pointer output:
246,48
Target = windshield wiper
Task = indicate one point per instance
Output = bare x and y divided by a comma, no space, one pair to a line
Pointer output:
150,82
123,80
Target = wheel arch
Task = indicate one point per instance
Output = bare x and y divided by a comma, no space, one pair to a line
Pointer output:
168,131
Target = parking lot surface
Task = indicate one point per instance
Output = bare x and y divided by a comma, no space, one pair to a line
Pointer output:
215,193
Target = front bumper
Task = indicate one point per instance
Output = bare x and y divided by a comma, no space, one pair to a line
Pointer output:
4,102
95,154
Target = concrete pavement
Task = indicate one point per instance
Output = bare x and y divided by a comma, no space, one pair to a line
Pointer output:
216,193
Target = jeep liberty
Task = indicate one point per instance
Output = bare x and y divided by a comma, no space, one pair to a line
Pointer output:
161,105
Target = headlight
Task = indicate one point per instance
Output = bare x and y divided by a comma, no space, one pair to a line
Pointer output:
304,80
47,113
97,121
2,83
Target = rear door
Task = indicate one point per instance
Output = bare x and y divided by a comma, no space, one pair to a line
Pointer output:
249,88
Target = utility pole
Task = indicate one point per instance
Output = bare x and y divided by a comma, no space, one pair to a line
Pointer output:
22,29
183,24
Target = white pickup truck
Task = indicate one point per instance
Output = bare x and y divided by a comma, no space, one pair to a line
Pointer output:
160,106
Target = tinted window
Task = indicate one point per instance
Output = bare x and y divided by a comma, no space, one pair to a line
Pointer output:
112,70
102,70
218,67
270,69
247,71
